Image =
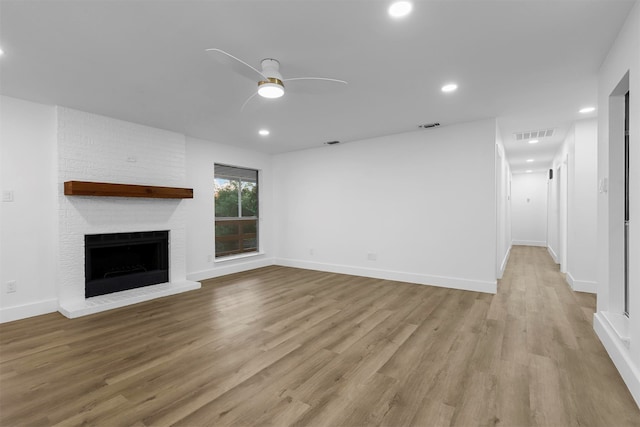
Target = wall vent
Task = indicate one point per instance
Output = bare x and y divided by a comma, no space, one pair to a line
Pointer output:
429,125
533,134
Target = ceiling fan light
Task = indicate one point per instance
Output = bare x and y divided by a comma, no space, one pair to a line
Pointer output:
271,88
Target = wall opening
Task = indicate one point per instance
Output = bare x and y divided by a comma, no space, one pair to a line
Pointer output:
619,197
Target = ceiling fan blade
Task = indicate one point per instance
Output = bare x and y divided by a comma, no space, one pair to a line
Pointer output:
247,101
237,60
315,78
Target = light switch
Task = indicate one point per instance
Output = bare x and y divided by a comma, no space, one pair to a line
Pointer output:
603,185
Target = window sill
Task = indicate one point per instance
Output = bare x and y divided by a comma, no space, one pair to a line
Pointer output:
237,257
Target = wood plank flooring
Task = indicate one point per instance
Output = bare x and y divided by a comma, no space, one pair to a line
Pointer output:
280,346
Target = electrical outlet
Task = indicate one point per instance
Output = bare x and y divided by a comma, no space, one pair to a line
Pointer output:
7,195
12,286
372,256
209,258
311,251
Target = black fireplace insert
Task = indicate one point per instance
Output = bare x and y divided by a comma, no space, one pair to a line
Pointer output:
119,261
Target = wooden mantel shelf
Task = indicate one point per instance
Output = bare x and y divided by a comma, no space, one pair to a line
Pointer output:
104,189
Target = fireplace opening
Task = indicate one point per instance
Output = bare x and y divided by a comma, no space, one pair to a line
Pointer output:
119,261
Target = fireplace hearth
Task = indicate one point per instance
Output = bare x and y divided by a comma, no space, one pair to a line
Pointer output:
119,261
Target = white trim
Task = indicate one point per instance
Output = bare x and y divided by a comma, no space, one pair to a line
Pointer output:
505,260
619,354
120,299
18,312
528,243
553,254
619,323
581,285
422,279
237,257
239,267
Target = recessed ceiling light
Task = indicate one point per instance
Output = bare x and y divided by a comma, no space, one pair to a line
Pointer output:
400,9
529,171
1,52
263,132
449,87
586,110
533,141
529,160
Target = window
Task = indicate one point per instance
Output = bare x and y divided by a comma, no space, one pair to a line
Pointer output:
236,210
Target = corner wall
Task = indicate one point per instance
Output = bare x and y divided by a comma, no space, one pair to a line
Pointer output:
572,212
583,209
418,207
201,157
30,245
503,206
28,224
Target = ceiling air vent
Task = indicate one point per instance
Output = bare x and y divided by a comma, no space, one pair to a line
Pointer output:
533,134
429,125
332,142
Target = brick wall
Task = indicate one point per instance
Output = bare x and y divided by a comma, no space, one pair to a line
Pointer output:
97,148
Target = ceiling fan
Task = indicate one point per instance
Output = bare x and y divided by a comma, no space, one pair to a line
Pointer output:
271,82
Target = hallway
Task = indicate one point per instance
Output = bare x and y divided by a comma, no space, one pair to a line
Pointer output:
570,379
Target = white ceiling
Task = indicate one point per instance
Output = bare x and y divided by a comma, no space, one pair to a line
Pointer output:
532,64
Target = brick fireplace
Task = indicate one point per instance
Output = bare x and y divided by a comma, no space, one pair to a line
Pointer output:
101,149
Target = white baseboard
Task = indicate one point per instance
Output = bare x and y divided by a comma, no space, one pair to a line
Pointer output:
528,243
422,279
9,314
553,255
581,285
619,354
223,270
503,265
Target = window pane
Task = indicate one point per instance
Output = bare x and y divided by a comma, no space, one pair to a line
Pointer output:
227,248
249,227
249,199
250,244
223,230
226,197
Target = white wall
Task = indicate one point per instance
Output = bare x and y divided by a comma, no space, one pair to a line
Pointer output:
553,206
572,213
619,334
28,225
560,191
582,235
201,157
503,206
529,209
422,204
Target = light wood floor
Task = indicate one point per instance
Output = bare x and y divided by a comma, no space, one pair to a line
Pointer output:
280,346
